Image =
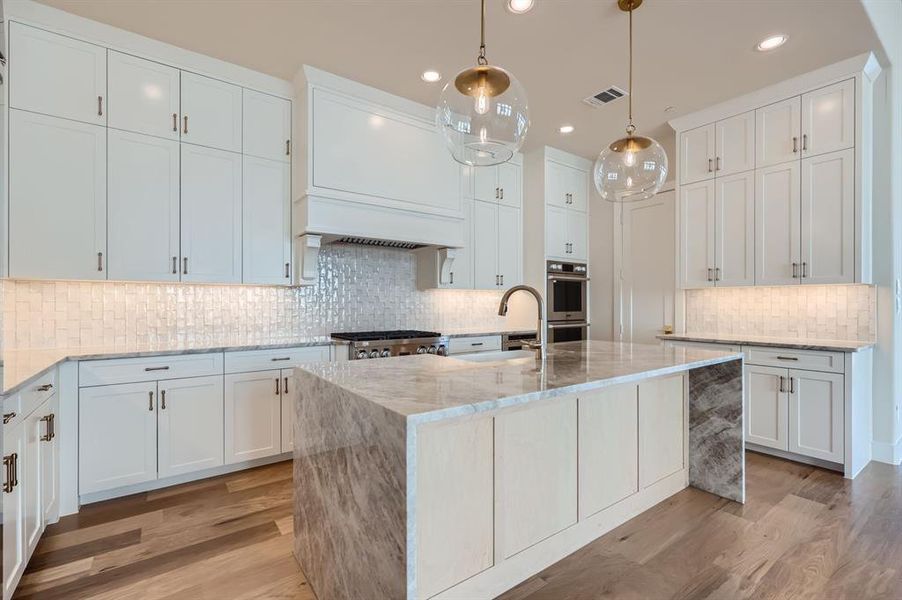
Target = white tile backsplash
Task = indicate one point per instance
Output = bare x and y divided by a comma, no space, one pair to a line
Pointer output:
359,288
839,312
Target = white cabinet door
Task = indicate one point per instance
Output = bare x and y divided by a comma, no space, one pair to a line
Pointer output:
662,422
29,476
253,415
462,269
608,447
510,178
816,415
143,201
579,189
557,184
510,253
697,151
777,226
50,460
14,555
767,406
267,126
735,142
117,436
576,234
211,215
190,425
266,224
56,75
535,474
57,198
289,402
485,246
211,112
734,230
828,218
828,119
697,220
777,132
485,184
557,242
144,96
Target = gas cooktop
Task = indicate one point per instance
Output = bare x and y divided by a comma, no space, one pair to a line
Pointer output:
372,336
401,342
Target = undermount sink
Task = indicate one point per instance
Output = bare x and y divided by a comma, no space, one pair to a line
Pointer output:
497,355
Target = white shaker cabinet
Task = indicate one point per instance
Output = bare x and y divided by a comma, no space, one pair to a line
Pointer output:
777,226
289,400
211,112
50,460
14,550
557,239
143,96
566,186
57,75
210,215
30,477
266,126
828,119
190,417
143,200
697,150
816,414
662,422
734,229
767,406
735,144
510,244
253,415
485,245
117,427
57,198
828,218
697,218
777,131
266,221
501,184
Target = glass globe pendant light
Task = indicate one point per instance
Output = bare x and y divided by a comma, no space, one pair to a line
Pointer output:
634,167
483,113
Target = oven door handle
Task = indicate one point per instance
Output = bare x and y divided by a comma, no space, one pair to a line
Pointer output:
554,278
573,325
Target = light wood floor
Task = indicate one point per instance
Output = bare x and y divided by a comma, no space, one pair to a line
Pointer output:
804,533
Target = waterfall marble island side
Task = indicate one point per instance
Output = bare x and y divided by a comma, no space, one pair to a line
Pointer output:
424,476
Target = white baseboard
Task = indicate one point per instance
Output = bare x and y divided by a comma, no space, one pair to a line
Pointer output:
887,453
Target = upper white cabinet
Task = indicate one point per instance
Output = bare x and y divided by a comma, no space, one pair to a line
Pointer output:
266,126
734,144
211,215
510,244
828,218
697,239
566,186
501,183
697,154
734,229
485,245
777,132
777,224
57,198
57,75
143,96
266,235
211,112
828,119
143,199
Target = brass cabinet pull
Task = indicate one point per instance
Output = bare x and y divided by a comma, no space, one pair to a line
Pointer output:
45,388
804,269
717,167
285,388
287,270
7,417
185,124
175,265
781,383
163,400
804,142
49,435
15,477
710,165
175,122
792,385
477,343
185,265
452,278
496,193
52,426
787,357
277,386
502,193
280,359
795,144
8,480
710,274
287,147
502,280
795,270
150,401
165,368
99,106
100,261
716,273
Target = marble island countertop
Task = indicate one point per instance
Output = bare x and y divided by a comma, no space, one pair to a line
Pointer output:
426,388
773,342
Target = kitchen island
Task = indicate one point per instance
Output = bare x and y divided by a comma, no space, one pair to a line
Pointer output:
425,476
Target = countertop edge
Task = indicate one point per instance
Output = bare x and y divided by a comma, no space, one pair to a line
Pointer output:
467,334
799,344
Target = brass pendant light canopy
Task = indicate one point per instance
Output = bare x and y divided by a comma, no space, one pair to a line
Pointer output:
482,79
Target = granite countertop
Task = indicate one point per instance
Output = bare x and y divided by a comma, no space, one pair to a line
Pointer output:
19,367
479,332
774,342
427,388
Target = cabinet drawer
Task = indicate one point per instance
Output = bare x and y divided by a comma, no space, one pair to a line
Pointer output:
36,392
831,362
284,358
482,343
131,370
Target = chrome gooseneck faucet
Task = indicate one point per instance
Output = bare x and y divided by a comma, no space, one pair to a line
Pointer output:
539,345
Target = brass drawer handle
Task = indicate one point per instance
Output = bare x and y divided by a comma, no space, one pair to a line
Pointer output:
45,388
779,357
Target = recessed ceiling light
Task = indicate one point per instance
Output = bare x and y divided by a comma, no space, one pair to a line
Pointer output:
430,76
566,129
518,7
772,42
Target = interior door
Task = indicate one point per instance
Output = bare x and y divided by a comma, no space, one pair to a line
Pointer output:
734,231
211,215
253,415
485,245
57,159
777,224
828,119
510,255
644,292
57,75
143,96
267,126
735,142
697,151
816,415
211,112
266,234
828,218
697,225
778,128
190,425
143,200
767,406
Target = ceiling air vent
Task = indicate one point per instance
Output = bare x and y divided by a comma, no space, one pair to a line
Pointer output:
605,97
359,241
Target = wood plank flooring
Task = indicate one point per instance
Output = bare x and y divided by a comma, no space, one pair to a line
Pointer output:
804,533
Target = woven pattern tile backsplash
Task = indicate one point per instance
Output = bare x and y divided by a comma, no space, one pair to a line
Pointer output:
359,288
839,312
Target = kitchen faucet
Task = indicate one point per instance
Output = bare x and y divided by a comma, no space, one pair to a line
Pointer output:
539,345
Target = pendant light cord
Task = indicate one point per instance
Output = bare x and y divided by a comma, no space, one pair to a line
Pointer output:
482,60
631,128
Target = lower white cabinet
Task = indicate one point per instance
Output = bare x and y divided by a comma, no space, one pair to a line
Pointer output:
253,415
767,407
289,401
14,550
30,476
661,429
190,433
50,460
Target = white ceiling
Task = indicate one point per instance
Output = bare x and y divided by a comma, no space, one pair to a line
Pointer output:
688,53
